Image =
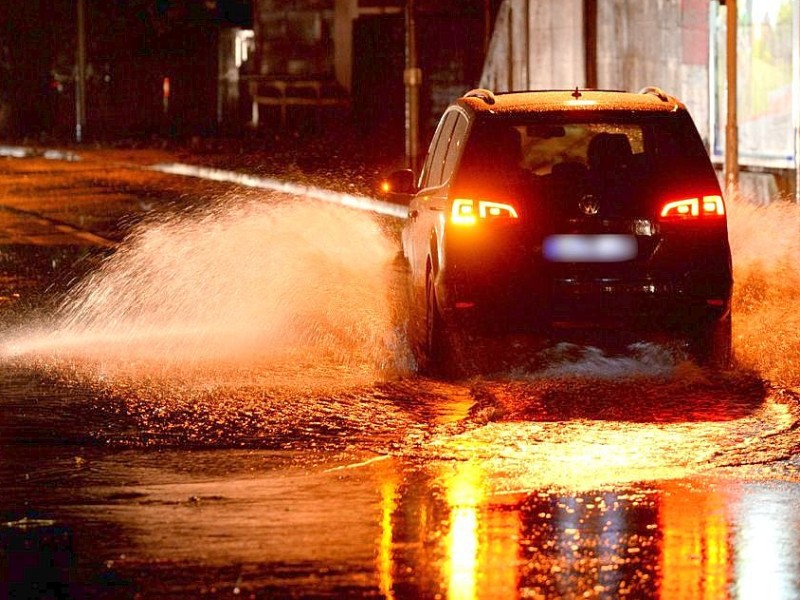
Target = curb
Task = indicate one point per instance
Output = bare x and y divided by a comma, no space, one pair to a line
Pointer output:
364,203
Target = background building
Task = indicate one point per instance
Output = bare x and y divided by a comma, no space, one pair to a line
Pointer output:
678,45
152,65
200,67
355,49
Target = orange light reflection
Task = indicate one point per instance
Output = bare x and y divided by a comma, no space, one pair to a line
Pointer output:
385,558
465,495
580,456
696,553
463,553
482,545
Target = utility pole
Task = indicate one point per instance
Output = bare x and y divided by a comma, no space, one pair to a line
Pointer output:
412,78
732,126
487,25
80,74
590,42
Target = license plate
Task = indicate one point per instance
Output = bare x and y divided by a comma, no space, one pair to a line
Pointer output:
606,247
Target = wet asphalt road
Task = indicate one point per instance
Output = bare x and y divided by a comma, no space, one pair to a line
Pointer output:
158,453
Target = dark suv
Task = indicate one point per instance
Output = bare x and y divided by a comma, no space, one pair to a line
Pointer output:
559,212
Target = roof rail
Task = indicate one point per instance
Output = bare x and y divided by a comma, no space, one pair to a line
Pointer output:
482,93
656,91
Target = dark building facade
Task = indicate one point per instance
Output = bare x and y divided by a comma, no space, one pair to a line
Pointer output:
355,49
151,66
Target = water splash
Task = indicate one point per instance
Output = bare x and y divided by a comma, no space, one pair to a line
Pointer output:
765,243
218,322
242,283
642,359
307,287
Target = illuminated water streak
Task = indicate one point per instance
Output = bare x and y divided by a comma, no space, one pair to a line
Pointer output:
767,550
465,497
266,183
243,283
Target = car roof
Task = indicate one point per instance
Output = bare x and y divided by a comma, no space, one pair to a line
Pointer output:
563,101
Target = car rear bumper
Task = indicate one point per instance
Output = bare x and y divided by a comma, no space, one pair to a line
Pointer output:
538,306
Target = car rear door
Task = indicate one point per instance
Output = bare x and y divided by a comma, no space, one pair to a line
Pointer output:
427,208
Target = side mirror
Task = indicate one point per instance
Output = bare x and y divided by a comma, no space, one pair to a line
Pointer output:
399,182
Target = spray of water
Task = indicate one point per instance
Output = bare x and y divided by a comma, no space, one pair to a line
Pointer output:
261,323
765,243
244,283
295,286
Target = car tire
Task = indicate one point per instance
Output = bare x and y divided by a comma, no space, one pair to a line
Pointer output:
443,345
712,344
435,343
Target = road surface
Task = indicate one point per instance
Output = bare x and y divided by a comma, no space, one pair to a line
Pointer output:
205,391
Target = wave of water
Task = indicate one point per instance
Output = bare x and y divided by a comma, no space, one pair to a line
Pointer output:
291,287
243,283
765,243
222,326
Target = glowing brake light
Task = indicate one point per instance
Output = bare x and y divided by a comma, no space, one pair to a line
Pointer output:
706,206
713,205
465,211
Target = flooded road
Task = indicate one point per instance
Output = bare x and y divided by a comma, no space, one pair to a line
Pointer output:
215,398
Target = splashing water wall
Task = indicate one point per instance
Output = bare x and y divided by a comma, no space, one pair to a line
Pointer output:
765,243
268,324
292,286
244,283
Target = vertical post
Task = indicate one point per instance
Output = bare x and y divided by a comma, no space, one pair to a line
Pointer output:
412,78
518,46
510,48
226,37
527,37
487,25
732,126
80,74
252,87
590,38
166,91
344,13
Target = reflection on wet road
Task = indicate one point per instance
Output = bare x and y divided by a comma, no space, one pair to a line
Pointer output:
171,524
150,444
409,488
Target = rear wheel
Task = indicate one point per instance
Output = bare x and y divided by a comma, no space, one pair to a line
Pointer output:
712,344
444,343
435,332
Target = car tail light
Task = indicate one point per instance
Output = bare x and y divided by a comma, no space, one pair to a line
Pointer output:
468,212
702,206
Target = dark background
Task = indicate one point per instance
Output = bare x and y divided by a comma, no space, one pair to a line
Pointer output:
133,45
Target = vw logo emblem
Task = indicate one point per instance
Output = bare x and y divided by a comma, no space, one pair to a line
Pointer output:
589,205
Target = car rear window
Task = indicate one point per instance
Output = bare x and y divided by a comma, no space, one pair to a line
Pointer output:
615,147
542,147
